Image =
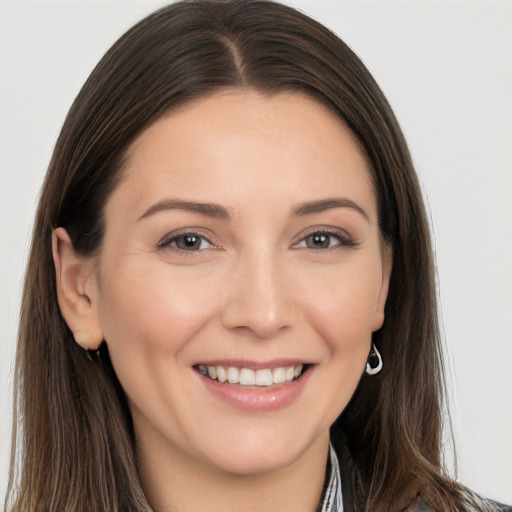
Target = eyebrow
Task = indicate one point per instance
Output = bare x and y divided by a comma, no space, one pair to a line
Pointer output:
208,209
218,211
328,204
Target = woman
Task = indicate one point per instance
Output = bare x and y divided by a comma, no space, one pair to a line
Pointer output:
230,232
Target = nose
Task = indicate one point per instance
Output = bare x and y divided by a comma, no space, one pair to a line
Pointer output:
259,298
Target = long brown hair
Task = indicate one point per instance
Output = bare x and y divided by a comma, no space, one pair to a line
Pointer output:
73,448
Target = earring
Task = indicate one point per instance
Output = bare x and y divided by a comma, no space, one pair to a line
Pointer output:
84,339
374,364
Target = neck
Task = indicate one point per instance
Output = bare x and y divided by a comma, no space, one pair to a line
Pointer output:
176,482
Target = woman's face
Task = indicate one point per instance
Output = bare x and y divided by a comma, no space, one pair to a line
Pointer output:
242,244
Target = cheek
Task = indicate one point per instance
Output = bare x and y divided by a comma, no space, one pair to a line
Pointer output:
343,310
343,317
150,316
151,308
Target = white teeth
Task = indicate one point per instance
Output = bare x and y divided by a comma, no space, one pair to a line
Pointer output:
233,375
278,376
264,377
221,374
249,377
289,373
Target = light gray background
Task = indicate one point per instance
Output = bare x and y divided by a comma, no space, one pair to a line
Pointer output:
446,67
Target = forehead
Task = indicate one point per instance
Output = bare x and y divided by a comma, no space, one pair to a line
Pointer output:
282,146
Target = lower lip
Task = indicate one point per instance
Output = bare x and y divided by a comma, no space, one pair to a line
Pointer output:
261,400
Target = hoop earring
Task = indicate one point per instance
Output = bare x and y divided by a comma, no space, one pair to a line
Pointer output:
374,363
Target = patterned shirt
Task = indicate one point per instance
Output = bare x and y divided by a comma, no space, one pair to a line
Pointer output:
331,501
422,502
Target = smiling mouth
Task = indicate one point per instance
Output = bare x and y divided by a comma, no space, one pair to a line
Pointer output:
264,377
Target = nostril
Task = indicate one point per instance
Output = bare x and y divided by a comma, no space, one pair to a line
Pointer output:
257,327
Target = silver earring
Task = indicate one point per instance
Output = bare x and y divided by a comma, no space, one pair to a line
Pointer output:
374,363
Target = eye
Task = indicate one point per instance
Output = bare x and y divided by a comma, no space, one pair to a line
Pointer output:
325,240
188,241
321,241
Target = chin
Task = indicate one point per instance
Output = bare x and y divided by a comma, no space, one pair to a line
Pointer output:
262,452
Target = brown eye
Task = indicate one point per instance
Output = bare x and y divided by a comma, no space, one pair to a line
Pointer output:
186,242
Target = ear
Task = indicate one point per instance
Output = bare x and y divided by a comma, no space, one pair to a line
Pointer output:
387,265
77,291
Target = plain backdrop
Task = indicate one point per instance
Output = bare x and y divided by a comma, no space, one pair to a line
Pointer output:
445,66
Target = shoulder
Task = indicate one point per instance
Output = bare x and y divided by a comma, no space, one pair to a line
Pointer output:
418,497
471,502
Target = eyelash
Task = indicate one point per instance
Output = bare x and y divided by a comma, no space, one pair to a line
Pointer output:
343,239
171,241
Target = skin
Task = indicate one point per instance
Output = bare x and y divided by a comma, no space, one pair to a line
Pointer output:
257,288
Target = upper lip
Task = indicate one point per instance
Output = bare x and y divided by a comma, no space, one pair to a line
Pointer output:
253,364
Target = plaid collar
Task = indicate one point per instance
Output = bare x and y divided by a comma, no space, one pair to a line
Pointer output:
331,501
